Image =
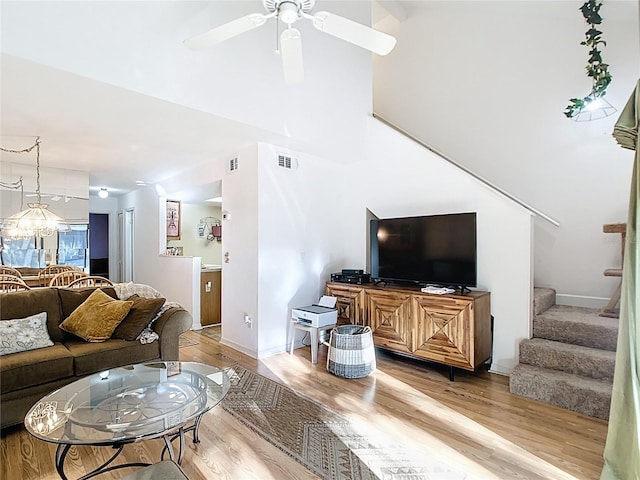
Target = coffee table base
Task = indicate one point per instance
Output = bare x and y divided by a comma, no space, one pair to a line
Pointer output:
63,450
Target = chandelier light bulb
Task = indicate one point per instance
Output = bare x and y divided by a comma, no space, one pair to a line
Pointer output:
103,193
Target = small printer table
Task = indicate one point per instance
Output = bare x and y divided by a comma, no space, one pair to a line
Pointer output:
313,319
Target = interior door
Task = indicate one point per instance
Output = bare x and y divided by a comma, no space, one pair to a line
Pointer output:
127,245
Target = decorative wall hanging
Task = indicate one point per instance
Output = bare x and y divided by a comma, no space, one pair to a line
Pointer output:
593,106
173,220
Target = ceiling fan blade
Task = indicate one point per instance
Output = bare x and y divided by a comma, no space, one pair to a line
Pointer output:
291,51
226,31
353,32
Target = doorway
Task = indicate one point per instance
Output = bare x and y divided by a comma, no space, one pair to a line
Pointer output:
99,244
125,235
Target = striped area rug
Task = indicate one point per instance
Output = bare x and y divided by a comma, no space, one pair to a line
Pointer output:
322,440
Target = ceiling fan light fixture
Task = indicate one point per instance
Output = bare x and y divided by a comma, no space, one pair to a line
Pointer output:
288,12
103,193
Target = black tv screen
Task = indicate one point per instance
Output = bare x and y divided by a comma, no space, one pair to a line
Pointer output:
434,249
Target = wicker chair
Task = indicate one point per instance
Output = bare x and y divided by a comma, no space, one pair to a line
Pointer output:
12,286
4,270
46,274
90,281
7,277
63,279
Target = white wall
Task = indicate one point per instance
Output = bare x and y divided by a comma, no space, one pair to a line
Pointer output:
398,178
70,188
240,240
300,240
486,83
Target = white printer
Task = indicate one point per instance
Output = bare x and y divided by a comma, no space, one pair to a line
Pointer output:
317,315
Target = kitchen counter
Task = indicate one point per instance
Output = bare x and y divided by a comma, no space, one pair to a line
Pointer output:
210,268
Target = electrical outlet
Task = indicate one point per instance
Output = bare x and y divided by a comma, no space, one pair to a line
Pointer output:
248,320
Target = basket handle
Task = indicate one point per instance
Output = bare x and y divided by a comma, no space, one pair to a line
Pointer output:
324,342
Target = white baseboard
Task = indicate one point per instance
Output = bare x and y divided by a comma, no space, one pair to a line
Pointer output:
580,301
500,369
272,351
240,348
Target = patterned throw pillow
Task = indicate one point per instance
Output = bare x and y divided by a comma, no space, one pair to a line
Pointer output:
97,317
24,334
126,290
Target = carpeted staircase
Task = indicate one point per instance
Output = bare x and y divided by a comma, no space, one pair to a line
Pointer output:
569,362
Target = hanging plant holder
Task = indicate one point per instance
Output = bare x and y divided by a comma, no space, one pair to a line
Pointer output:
593,106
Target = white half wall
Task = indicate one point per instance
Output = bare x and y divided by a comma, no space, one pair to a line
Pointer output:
399,178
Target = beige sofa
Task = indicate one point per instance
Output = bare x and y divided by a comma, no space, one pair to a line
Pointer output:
27,376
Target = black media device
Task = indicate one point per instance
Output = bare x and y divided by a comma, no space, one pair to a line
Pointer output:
355,278
434,249
351,271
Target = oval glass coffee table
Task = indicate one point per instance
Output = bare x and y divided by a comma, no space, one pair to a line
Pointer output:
127,404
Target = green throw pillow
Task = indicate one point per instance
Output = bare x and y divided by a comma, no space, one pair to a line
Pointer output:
97,317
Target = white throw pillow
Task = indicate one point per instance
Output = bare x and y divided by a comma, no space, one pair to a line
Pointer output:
125,290
24,334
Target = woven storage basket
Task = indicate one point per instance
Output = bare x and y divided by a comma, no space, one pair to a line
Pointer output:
351,352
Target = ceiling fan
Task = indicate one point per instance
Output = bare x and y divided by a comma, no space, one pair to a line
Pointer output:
289,12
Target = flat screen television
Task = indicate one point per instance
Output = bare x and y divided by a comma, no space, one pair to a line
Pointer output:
434,249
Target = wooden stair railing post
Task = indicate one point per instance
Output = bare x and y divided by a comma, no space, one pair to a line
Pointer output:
610,308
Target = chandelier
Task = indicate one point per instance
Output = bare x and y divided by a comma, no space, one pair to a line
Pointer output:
36,220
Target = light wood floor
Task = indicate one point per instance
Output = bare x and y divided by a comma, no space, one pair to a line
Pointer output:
473,423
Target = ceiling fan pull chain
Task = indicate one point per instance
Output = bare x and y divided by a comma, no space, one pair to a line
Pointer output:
277,36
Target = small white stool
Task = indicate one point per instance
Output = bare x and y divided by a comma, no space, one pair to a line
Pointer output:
314,333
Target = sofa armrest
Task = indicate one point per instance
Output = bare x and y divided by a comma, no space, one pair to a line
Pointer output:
169,326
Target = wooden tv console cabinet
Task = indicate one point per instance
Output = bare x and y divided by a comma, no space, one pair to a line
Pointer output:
454,330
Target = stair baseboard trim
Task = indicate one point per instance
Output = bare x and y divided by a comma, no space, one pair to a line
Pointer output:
581,301
500,369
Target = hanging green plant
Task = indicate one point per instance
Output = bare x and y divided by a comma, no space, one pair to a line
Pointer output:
596,68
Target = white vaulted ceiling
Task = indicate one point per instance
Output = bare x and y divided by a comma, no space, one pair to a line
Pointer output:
111,89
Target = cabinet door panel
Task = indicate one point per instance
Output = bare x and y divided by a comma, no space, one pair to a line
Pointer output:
442,330
388,314
349,302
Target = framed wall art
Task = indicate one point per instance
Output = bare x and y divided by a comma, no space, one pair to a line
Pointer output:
173,220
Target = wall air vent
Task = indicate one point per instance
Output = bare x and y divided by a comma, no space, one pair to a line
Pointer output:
233,164
287,161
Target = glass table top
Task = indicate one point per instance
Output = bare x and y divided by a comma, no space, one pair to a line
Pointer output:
127,403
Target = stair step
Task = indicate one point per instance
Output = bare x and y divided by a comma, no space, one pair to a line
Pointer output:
573,392
543,299
577,325
566,357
